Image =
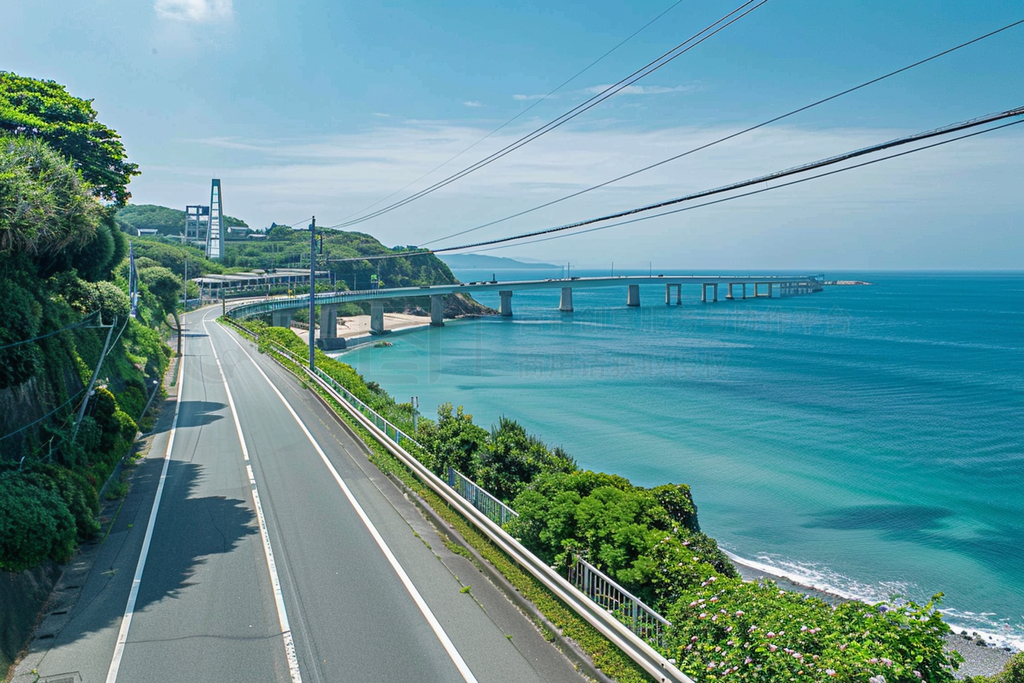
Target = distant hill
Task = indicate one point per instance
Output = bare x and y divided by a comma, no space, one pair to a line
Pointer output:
494,262
166,221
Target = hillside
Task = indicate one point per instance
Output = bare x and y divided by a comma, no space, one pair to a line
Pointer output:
165,220
344,255
493,262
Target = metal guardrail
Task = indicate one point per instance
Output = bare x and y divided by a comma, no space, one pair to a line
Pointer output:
605,621
479,498
628,608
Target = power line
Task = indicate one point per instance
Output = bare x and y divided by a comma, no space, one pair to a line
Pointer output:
608,92
951,128
727,137
82,323
381,256
525,111
753,192
21,429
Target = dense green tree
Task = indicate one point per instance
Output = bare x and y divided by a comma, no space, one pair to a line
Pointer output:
454,441
165,286
45,110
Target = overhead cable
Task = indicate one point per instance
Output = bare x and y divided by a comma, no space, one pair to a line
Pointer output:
524,111
753,192
727,137
951,128
682,48
81,323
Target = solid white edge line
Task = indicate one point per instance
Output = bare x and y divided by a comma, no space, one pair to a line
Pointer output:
435,625
133,594
268,551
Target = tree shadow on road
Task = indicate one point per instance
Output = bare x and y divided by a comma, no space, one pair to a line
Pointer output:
190,530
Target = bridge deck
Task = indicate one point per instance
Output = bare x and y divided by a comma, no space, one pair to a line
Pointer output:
259,308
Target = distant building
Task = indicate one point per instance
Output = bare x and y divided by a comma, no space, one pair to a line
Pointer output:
211,286
146,232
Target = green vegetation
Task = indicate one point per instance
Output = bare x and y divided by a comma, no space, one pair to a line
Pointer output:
164,220
45,111
63,273
650,541
287,248
1013,672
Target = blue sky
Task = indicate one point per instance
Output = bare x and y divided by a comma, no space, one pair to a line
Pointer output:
325,107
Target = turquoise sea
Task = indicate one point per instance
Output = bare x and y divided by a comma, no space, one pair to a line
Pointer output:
866,440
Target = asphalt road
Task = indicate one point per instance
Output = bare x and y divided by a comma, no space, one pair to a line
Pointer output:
360,587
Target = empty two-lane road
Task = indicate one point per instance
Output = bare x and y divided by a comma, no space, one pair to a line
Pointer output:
276,552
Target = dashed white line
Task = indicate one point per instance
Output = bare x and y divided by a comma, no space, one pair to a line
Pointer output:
282,612
435,625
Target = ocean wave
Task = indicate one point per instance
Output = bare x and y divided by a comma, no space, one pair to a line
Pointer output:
996,631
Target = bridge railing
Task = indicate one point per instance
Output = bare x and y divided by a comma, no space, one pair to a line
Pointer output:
608,620
479,498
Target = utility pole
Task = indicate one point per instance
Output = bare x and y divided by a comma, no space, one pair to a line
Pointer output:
95,373
312,288
184,287
415,401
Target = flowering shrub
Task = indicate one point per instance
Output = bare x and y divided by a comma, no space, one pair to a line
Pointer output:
726,629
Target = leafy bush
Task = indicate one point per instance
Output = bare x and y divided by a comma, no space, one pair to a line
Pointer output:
726,628
35,524
17,323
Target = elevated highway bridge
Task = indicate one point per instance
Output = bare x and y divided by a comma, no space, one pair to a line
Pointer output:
734,286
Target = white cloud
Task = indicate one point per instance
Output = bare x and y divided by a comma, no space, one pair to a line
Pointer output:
948,189
197,11
473,103
643,89
526,98
381,115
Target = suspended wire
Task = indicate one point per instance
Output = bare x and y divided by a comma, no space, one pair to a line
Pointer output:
608,92
381,256
727,137
753,192
951,128
525,111
21,429
82,323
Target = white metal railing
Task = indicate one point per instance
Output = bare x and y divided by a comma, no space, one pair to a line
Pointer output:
626,607
602,618
479,498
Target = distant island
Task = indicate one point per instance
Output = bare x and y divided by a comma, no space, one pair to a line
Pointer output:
492,262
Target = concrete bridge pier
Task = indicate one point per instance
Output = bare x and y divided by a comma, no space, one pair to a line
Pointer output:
281,318
704,291
505,308
633,297
377,317
565,304
328,322
668,294
437,310
329,339
757,290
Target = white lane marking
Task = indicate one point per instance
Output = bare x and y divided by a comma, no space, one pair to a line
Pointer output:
282,613
435,625
133,594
